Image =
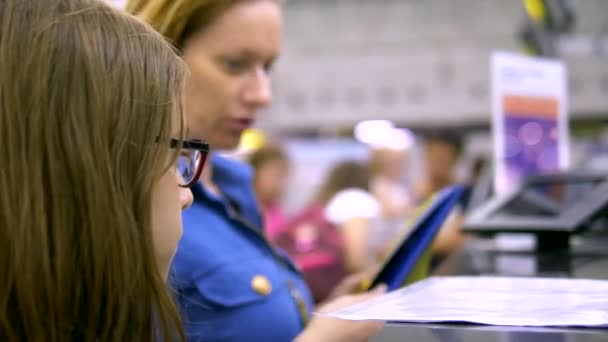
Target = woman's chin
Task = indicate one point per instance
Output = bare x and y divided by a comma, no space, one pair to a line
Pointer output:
228,143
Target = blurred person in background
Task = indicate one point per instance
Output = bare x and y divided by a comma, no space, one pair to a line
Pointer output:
442,151
352,208
388,167
271,173
232,285
478,186
330,237
91,129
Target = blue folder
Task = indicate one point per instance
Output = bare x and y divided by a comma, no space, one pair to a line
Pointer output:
413,253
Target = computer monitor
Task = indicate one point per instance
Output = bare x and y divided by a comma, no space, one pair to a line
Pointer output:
547,205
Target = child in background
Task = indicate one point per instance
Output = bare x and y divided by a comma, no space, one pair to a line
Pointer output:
271,172
329,238
441,155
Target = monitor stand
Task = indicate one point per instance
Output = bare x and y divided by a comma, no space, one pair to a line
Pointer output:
552,241
555,263
553,254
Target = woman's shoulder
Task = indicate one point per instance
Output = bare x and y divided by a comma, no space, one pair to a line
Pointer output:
208,233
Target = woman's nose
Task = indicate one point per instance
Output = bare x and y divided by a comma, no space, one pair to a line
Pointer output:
259,92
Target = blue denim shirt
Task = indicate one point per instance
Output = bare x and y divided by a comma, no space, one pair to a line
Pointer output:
218,258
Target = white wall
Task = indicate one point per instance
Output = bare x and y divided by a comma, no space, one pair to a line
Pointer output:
416,62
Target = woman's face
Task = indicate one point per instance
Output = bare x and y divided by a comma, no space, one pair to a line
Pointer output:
229,63
168,201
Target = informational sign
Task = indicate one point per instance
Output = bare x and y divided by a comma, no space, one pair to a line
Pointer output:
530,118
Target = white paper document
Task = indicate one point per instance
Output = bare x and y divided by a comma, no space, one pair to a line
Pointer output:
491,300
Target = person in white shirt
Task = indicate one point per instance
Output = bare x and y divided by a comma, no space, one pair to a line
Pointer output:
349,205
388,188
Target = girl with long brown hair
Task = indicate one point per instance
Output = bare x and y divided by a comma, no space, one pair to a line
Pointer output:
91,133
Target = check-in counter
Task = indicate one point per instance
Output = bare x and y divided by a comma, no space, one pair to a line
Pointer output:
587,258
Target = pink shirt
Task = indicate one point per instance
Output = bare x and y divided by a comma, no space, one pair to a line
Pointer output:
274,221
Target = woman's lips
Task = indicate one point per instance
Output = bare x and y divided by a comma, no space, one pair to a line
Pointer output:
240,124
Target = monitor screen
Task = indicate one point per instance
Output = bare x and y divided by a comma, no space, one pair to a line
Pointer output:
546,198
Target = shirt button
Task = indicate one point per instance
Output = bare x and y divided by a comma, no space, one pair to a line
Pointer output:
261,285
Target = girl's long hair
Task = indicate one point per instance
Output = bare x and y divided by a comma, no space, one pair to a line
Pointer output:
88,95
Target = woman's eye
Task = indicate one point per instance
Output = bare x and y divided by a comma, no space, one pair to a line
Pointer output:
235,66
268,67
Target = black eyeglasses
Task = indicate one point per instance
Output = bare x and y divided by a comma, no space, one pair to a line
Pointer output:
191,160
